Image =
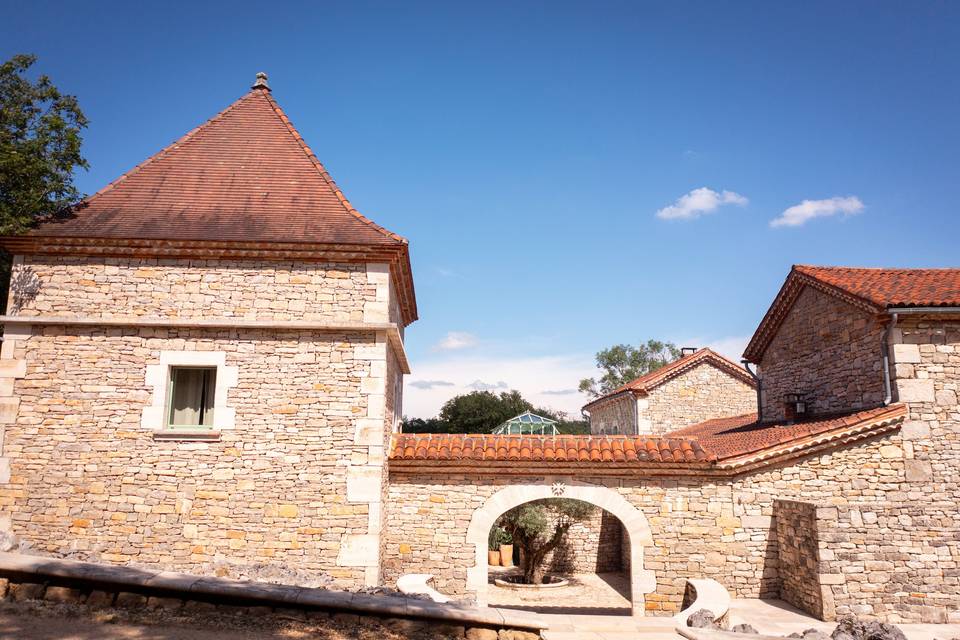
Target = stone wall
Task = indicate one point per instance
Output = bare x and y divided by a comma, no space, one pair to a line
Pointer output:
592,546
178,288
292,483
617,415
721,529
827,350
798,555
87,479
699,394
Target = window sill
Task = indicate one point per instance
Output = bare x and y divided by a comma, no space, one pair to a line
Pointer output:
187,435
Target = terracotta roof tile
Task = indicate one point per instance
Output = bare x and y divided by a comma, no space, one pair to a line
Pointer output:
244,175
742,435
536,448
710,442
892,287
872,290
649,381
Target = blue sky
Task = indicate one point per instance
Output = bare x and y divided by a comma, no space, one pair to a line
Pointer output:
526,149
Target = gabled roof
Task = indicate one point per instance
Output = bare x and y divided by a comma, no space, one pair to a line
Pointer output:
647,382
872,290
720,446
245,174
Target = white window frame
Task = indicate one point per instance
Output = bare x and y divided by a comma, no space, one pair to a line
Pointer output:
154,416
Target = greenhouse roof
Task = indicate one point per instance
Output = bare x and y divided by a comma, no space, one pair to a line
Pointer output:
526,423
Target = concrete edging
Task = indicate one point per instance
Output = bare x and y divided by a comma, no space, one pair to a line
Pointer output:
37,569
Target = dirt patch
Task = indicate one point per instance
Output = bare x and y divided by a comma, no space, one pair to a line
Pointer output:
33,620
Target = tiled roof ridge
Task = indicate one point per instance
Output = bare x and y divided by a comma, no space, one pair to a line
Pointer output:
655,378
323,170
477,447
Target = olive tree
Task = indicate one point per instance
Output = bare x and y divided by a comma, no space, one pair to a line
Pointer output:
539,527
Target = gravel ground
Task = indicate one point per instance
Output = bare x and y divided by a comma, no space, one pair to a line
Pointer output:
35,620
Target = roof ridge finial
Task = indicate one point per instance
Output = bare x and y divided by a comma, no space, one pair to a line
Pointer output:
261,82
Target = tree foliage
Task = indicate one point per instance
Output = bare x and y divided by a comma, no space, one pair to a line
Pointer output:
39,147
484,411
539,527
622,363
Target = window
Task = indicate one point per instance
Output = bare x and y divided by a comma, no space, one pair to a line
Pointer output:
191,397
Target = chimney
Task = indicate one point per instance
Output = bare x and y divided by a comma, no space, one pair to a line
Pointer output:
688,351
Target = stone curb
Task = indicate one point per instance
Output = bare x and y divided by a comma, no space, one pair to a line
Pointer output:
192,587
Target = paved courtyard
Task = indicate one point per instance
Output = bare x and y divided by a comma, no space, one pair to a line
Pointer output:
587,594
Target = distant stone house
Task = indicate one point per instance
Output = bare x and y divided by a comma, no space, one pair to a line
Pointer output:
691,389
202,363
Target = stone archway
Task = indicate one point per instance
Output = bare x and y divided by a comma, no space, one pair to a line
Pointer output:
642,581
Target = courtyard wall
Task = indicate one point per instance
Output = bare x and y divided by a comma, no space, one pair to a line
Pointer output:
718,528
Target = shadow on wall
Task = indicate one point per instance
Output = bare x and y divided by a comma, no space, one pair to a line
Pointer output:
600,545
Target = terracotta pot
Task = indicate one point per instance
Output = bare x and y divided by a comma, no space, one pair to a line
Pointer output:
493,558
506,555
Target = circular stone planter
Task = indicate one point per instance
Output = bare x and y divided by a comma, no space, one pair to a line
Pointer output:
553,582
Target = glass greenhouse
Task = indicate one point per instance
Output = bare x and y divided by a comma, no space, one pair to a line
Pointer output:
528,423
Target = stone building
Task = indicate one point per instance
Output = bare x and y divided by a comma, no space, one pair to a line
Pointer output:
693,388
202,370
202,363
841,498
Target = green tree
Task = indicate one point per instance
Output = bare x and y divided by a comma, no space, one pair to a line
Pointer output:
482,411
622,363
39,151
539,527
39,147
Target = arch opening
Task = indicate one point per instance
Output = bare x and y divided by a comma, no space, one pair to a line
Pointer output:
634,524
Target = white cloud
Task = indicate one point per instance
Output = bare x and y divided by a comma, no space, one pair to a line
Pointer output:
480,385
455,340
808,209
429,384
559,392
528,375
698,202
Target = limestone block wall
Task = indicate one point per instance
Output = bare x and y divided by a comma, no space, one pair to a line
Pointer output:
798,551
287,489
180,288
592,546
699,394
617,415
899,561
827,350
722,529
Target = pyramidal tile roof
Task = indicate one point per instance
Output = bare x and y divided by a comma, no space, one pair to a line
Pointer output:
244,175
